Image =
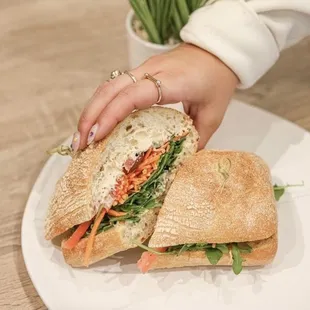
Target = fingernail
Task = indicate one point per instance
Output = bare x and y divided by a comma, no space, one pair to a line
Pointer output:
92,134
76,141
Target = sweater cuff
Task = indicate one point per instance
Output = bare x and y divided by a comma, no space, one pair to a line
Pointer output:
233,32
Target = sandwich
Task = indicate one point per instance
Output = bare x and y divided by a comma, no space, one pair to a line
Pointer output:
220,210
108,198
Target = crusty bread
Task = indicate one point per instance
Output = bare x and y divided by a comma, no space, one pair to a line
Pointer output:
119,238
70,204
76,193
263,252
218,197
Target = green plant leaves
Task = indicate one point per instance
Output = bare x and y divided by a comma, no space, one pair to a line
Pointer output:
143,13
244,248
237,259
214,255
280,190
164,19
222,247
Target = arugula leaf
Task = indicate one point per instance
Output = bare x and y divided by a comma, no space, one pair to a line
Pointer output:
121,218
244,248
145,247
214,255
104,226
183,249
237,260
188,247
222,247
280,190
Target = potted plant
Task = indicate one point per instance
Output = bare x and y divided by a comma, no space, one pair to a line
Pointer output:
153,26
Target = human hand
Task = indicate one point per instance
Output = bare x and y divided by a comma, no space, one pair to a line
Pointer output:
189,74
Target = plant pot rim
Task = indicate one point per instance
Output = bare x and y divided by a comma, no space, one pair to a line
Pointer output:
132,33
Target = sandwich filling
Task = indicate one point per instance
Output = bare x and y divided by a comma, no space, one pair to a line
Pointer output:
213,252
139,189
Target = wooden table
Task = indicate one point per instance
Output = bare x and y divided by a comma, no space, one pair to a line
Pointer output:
53,55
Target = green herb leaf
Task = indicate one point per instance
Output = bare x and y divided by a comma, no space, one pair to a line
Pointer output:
188,247
121,218
183,249
214,255
222,247
244,248
237,259
280,190
278,193
144,247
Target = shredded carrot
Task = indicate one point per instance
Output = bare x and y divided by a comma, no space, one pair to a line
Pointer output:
126,185
116,213
131,182
150,160
149,151
76,236
91,238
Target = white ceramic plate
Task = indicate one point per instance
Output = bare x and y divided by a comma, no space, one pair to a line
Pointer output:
117,284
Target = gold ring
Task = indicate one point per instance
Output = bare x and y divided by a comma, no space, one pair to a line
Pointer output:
114,74
157,84
131,76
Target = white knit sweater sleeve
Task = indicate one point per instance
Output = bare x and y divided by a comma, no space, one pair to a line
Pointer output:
248,36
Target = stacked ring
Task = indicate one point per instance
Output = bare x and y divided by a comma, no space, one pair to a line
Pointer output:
114,74
157,84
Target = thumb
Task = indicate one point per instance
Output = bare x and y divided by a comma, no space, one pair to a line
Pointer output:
206,123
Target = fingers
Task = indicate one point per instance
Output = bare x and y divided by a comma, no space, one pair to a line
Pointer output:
138,96
103,95
206,122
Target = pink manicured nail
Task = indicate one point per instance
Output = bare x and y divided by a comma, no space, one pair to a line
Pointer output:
76,141
92,134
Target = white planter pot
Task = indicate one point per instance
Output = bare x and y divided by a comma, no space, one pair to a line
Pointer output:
138,49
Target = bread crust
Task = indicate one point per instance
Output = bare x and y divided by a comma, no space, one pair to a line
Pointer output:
106,244
71,203
233,202
263,252
119,238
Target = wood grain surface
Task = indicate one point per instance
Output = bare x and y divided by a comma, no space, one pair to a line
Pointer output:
53,54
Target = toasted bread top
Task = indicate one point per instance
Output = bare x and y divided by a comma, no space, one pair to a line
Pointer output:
218,197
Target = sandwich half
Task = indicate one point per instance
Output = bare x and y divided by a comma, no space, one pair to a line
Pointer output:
109,197
220,210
